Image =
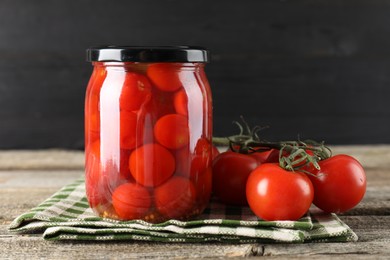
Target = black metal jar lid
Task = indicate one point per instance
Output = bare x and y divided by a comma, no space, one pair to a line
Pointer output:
148,54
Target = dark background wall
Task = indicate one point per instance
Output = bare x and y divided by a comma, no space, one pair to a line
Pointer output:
320,69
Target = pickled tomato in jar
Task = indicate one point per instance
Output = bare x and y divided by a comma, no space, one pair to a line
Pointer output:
148,129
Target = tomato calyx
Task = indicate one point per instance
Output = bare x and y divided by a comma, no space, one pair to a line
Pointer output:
299,156
293,155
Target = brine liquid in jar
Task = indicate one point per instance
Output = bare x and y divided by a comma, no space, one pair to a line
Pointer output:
148,129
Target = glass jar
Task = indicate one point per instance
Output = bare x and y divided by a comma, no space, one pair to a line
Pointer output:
148,129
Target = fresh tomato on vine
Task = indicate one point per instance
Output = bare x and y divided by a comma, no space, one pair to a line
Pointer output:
230,174
339,185
274,193
270,156
273,156
293,174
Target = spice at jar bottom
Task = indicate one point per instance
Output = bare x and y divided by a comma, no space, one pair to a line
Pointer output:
148,129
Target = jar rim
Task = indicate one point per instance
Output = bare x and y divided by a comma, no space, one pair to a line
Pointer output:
148,54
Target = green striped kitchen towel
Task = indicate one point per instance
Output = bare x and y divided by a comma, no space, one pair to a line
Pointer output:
67,216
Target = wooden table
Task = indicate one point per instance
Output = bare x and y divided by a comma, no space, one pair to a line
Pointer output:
29,177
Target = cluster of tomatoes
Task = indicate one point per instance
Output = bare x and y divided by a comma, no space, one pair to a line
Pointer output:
149,154
275,192
141,160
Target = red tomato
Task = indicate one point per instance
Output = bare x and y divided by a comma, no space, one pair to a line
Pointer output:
124,165
175,198
202,158
203,147
340,184
96,187
131,201
191,164
270,156
136,91
165,76
262,157
276,194
100,180
92,116
94,154
273,156
128,130
112,176
92,158
151,164
93,123
183,162
99,75
93,150
180,102
95,195
161,104
230,174
188,165
172,131
203,185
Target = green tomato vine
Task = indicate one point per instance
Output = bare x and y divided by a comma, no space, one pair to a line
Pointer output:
293,155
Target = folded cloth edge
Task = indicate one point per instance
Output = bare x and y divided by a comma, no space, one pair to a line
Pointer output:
35,221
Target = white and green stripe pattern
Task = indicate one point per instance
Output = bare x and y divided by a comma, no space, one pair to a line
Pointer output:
67,216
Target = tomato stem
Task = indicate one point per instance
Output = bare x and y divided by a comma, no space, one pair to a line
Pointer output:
221,141
293,155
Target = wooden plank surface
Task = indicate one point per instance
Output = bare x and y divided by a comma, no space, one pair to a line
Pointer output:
33,176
